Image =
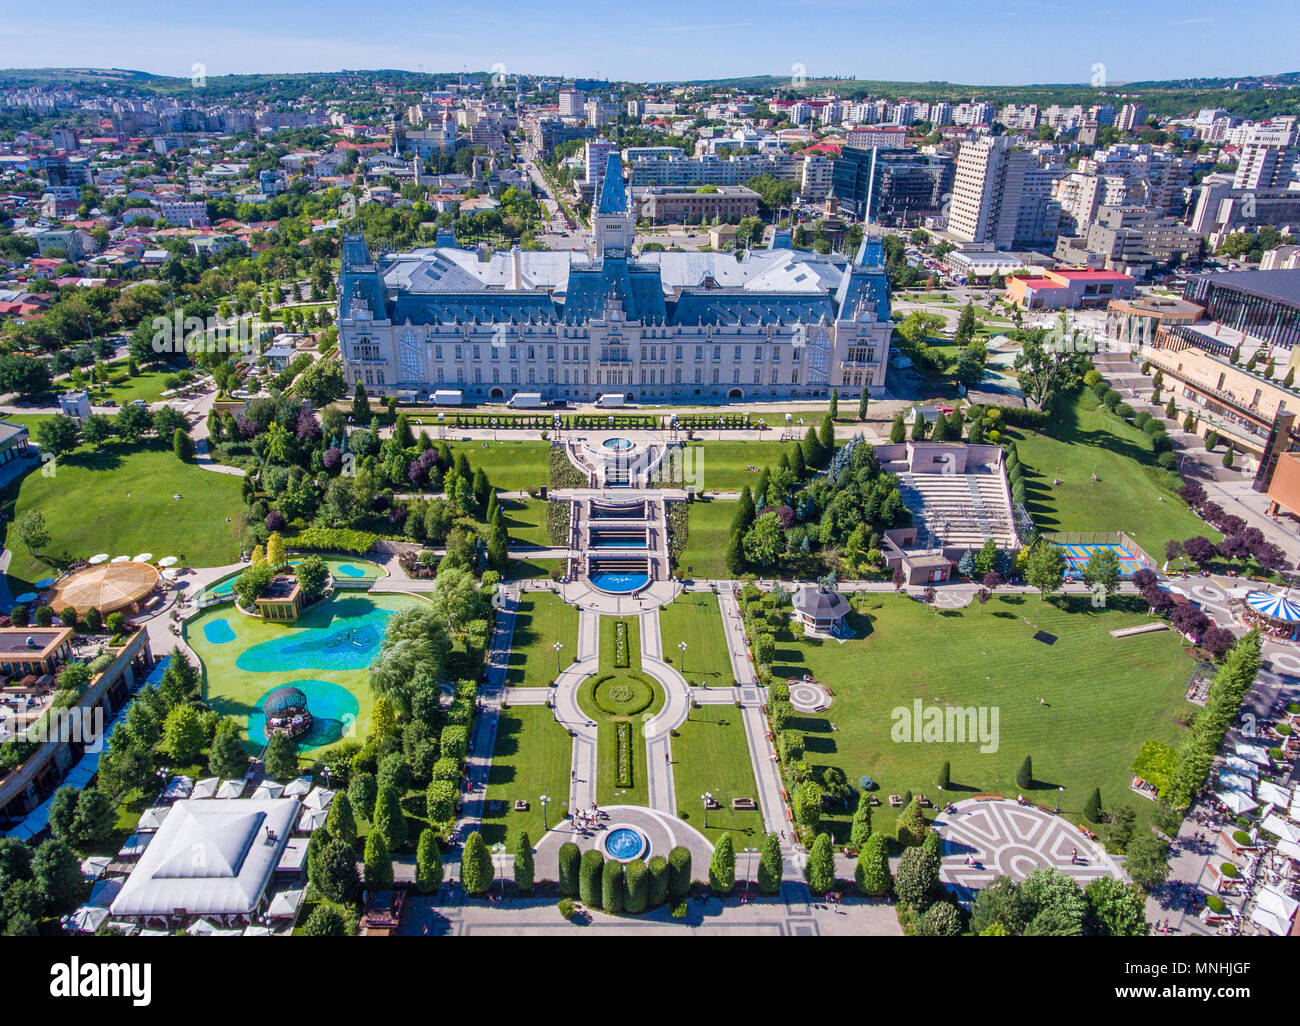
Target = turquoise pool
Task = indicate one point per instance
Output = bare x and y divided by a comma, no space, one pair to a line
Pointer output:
333,710
348,642
219,632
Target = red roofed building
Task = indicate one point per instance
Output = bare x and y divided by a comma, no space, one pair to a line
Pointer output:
1070,288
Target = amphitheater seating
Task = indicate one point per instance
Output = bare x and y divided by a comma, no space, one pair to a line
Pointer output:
962,510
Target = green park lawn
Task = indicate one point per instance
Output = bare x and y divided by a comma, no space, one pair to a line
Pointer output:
1104,697
711,755
510,466
119,501
525,521
721,466
533,756
542,619
1127,494
708,528
607,790
694,617
533,569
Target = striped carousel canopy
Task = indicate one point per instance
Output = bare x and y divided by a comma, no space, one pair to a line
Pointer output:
1275,607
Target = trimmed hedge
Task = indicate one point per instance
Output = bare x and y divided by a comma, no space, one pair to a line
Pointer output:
333,539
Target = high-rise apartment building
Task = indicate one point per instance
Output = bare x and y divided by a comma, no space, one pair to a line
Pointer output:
986,192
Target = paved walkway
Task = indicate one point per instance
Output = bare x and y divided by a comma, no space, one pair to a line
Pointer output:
658,729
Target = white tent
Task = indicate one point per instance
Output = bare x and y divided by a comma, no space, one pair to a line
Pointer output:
311,819
167,561
1290,849
178,787
1235,782
1274,911
319,798
231,789
285,905
206,788
1267,791
93,868
1254,753
1243,766
103,893
1237,802
144,557
258,931
153,818
85,919
1279,827
269,789
135,845
298,787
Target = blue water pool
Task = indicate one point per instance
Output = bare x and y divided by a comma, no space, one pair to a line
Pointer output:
333,711
218,632
618,444
625,844
225,587
348,570
620,583
345,642
601,543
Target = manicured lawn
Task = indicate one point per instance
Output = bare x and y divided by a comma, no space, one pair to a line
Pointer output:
1127,494
533,570
533,755
709,527
711,755
1104,697
510,466
120,501
543,618
696,619
147,385
607,790
221,635
525,521
723,466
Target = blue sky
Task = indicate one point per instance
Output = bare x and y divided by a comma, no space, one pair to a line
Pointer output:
981,42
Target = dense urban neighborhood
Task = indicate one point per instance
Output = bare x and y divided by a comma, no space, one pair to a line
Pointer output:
480,503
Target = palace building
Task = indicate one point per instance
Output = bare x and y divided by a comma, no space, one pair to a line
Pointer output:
658,327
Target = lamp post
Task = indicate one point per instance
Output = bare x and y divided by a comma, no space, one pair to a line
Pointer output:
682,646
545,799
749,866
706,797
498,850
1059,792
558,645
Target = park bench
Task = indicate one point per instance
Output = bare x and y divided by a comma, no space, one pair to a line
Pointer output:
743,803
895,801
521,804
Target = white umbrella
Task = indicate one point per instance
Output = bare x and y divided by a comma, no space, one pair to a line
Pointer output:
1255,753
311,819
120,559
1245,767
200,928
269,789
258,931
1237,802
144,557
167,561
1279,827
172,573
103,893
93,868
86,919
206,788
135,845
319,798
1267,791
1235,782
297,787
153,818
1290,849
231,789
285,904
95,560
179,787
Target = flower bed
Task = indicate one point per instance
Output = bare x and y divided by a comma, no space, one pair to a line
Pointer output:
623,774
621,658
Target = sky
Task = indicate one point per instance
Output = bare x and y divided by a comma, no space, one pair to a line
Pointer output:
980,42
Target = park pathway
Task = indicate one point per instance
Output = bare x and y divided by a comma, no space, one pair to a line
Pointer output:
658,729
582,776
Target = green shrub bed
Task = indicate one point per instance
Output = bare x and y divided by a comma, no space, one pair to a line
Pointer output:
622,695
623,774
621,655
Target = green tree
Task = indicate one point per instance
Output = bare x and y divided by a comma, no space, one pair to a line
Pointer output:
569,858
228,758
806,804
183,734
363,790
1092,807
590,870
722,866
679,873
281,758
860,829
636,882
360,405
182,446
325,921
819,871
57,874
1102,571
389,819
476,871
917,881
58,435
1147,860
428,862
771,866
1025,775
898,430
833,410
524,863
613,894
340,821
965,326
378,864
1045,569
863,402
29,527
912,827
658,886
1115,909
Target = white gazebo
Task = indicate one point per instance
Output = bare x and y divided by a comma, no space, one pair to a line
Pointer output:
820,608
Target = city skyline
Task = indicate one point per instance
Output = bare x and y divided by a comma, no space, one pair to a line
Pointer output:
965,43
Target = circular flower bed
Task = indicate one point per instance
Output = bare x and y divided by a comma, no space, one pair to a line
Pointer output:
622,696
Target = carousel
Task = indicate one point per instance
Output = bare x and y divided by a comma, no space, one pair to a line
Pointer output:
1276,615
286,713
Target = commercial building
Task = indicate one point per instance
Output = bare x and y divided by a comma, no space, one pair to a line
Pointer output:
907,185
778,323
1131,240
1069,289
666,204
1262,304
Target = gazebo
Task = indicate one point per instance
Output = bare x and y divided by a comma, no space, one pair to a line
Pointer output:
820,608
108,587
286,713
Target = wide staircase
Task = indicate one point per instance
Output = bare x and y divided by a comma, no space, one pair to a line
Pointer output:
959,510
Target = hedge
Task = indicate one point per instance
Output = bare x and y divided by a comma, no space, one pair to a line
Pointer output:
334,539
589,877
570,858
679,873
657,891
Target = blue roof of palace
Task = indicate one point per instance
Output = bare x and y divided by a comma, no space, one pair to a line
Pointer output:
613,196
638,289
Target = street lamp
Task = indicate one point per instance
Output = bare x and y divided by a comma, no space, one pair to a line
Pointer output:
545,799
749,866
557,646
498,850
1059,792
706,797
682,646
